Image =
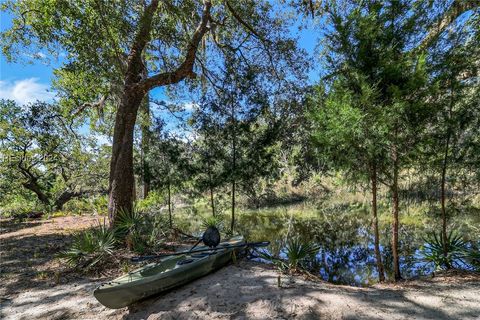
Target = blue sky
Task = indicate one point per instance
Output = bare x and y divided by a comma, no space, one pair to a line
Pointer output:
28,82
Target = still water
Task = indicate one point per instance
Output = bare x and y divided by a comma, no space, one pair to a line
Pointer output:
346,254
343,233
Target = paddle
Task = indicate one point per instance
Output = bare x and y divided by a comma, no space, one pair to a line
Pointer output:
248,244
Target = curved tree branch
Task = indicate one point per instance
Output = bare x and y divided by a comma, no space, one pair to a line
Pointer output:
457,8
185,69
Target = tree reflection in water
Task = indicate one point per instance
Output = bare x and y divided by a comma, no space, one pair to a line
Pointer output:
346,254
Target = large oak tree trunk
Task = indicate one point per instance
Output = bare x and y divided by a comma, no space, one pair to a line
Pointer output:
65,197
145,127
121,184
378,256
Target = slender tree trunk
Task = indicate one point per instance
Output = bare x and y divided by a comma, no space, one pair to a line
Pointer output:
210,185
442,200
121,182
378,255
444,180
169,205
212,201
234,160
396,261
232,224
145,146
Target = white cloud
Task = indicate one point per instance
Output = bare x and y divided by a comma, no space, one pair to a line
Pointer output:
25,91
37,55
190,106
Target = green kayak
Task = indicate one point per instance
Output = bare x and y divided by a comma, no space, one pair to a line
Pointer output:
165,274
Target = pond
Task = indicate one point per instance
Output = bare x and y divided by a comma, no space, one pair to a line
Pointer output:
343,234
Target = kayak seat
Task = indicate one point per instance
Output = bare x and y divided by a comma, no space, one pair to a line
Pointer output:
184,261
199,255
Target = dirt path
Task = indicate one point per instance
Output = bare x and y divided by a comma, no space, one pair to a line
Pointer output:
243,291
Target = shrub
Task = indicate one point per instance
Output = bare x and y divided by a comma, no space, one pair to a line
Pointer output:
458,251
213,221
154,201
17,206
90,247
140,231
299,255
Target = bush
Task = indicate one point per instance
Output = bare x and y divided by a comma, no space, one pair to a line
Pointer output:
95,204
90,247
153,202
300,255
17,206
140,231
460,253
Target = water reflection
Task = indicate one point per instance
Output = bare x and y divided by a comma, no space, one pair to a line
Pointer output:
346,252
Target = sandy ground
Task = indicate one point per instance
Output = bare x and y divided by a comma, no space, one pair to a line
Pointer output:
246,290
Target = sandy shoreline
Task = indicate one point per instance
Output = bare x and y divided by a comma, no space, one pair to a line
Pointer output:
250,291
246,290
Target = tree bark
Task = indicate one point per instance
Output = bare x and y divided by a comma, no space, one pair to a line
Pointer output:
170,222
378,255
396,261
65,197
121,182
234,160
442,200
145,127
32,185
121,165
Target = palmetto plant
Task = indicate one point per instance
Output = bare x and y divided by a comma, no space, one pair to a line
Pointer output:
213,221
90,247
298,255
141,232
472,257
127,222
433,250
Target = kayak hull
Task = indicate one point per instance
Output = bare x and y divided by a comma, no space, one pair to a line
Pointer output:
164,275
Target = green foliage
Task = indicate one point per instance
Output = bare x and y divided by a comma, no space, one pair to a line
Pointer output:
140,231
43,155
299,255
213,221
13,205
127,222
152,203
457,250
90,247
